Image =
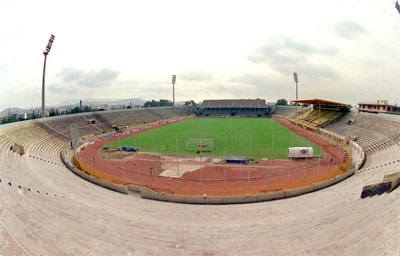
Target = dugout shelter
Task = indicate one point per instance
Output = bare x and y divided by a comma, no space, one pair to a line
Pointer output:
237,160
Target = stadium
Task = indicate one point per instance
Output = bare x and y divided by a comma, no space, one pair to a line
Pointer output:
211,157
63,191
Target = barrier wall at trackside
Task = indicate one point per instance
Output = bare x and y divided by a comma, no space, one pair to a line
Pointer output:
95,180
339,139
358,154
356,151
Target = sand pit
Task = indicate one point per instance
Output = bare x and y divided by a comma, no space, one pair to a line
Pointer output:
177,171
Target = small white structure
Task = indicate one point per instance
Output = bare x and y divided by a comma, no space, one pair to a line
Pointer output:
300,152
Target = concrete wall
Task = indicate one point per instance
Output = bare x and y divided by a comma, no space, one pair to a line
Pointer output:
105,184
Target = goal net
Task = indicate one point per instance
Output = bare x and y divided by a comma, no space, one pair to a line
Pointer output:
201,145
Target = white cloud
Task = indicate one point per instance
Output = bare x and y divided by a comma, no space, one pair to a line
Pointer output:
218,49
349,29
258,80
196,75
93,78
3,68
286,55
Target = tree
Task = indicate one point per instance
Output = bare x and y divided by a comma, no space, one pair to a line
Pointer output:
87,109
150,104
160,103
164,103
75,110
282,102
54,112
190,103
9,119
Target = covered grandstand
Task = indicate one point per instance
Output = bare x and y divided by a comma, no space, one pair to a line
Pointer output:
321,112
235,107
47,210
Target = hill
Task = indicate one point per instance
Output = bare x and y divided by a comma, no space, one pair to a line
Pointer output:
12,111
88,101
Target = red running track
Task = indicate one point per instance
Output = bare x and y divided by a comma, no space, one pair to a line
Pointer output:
216,180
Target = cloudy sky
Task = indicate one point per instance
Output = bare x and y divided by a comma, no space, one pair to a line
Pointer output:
342,50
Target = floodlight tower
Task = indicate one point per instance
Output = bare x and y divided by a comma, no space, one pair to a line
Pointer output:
296,80
173,88
45,52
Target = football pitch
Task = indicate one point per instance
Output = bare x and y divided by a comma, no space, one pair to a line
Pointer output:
219,137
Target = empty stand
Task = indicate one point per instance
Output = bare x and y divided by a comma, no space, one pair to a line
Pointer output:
286,111
319,118
47,210
373,132
235,107
99,122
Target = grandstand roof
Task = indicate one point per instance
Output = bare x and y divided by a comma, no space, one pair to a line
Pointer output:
234,103
320,102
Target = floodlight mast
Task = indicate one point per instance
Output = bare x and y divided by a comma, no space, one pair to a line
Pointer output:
173,88
45,53
296,80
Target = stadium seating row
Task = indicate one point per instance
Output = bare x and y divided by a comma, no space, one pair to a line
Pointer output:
235,107
286,111
47,210
319,118
234,103
99,122
373,132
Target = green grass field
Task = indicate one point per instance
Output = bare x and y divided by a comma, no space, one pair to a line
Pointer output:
251,137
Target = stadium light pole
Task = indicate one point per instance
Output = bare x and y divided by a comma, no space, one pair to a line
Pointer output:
45,52
173,88
296,80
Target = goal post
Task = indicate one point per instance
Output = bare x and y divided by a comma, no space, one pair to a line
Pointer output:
203,145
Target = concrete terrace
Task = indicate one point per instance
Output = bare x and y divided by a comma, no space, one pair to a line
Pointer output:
47,210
